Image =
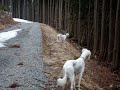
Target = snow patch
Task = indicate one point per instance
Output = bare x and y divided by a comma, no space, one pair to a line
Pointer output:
21,20
2,45
4,36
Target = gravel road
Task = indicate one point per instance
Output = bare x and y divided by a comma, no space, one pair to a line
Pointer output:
21,66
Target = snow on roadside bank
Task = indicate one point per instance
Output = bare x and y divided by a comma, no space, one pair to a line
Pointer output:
4,36
21,20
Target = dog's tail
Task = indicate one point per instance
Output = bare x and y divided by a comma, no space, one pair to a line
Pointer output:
62,81
57,38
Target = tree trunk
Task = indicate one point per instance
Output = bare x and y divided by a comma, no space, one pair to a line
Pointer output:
88,31
65,18
79,20
102,31
60,15
11,6
116,56
48,12
95,26
18,8
111,33
53,13
56,13
2,2
43,11
68,18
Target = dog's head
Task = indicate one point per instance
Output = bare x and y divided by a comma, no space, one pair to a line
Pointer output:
84,49
67,34
87,53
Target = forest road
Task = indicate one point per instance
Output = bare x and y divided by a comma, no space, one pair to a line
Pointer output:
21,65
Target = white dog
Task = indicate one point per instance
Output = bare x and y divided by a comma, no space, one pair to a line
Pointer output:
74,66
61,37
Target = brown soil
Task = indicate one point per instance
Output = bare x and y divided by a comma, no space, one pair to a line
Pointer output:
55,54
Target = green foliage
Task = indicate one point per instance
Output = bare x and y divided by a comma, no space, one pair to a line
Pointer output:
3,8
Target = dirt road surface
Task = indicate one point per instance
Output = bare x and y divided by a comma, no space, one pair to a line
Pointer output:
21,65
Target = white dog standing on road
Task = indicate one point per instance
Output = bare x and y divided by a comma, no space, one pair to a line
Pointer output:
74,66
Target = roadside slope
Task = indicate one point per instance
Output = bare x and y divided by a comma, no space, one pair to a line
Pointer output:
55,55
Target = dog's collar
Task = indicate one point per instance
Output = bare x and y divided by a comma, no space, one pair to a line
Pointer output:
82,58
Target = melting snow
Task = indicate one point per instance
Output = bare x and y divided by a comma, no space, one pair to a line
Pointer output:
21,20
4,36
2,45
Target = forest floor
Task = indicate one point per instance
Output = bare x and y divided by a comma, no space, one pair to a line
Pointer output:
96,77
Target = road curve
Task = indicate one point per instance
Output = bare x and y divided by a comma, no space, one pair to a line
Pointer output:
21,65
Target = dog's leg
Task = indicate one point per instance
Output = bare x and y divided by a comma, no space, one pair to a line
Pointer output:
58,39
74,85
72,77
63,87
72,82
80,77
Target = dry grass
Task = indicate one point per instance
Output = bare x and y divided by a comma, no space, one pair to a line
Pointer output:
2,26
55,53
6,22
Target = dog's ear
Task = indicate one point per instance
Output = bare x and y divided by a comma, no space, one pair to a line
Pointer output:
67,34
83,50
89,55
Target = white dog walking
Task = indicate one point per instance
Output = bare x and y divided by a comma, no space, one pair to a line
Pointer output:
61,37
76,66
